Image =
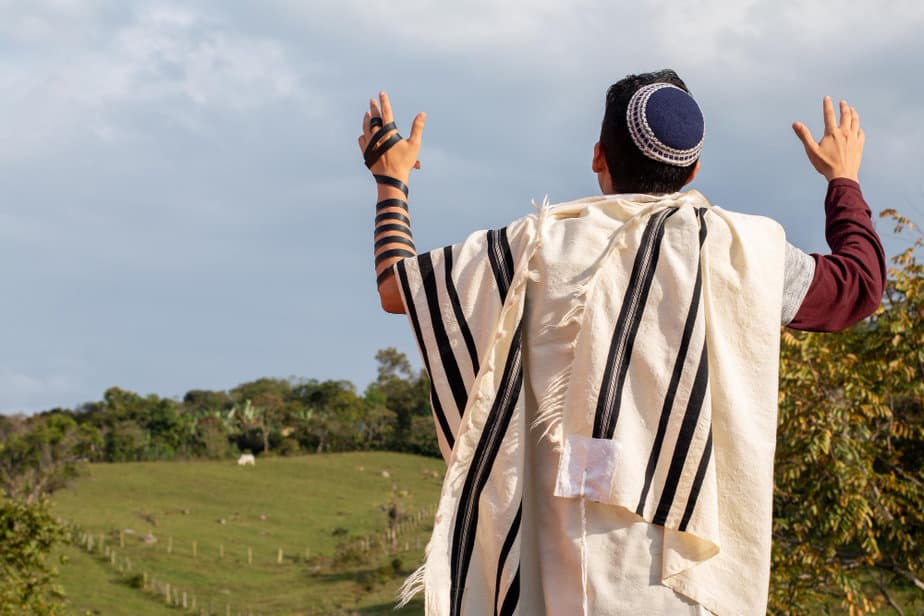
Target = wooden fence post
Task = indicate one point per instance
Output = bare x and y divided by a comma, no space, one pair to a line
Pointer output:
279,556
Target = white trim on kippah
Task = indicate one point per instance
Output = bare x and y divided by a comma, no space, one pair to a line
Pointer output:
645,139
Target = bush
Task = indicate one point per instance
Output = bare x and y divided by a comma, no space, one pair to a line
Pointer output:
27,533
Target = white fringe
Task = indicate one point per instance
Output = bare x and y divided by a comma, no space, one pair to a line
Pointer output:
414,584
551,407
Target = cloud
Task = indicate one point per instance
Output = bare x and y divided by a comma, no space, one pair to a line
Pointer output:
178,63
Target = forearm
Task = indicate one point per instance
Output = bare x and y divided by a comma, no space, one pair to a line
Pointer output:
848,283
393,241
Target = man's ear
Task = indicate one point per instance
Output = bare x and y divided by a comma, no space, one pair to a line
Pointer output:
692,174
598,165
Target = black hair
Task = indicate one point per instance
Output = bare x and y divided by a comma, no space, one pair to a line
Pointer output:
632,171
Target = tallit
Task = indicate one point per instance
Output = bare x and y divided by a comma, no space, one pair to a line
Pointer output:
665,408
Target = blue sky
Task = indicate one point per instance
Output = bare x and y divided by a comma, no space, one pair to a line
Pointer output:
183,205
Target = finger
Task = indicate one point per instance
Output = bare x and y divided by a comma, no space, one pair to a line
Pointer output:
417,129
366,117
387,115
830,120
362,142
805,135
374,108
861,137
856,119
846,117
808,141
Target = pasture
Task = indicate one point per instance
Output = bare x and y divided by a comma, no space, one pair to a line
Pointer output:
302,535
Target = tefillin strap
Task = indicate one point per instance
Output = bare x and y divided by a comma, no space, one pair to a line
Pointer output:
374,150
394,225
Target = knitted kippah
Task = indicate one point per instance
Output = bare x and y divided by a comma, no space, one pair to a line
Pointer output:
666,124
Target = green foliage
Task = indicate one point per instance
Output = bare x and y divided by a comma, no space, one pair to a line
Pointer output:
27,533
39,455
407,393
266,416
849,500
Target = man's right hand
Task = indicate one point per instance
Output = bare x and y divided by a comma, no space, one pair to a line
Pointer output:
840,150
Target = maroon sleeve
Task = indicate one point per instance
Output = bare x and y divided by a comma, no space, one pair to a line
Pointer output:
848,283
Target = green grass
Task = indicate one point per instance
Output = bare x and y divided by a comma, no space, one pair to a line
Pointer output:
312,503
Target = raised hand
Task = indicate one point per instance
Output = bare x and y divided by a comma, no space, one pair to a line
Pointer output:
398,158
840,150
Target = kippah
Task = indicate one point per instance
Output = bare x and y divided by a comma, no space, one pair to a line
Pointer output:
666,124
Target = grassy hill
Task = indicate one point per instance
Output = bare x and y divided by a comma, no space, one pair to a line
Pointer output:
214,531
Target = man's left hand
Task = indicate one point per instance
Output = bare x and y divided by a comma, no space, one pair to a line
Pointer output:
398,161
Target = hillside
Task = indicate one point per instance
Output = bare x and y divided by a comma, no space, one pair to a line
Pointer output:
195,525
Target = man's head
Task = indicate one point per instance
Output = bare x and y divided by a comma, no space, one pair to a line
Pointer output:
619,161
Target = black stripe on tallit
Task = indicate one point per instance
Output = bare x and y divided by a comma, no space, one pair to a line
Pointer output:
466,521
684,439
501,259
630,315
697,483
666,410
513,596
447,357
434,397
512,535
457,310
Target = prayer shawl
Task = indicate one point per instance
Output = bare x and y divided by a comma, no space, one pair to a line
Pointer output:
667,407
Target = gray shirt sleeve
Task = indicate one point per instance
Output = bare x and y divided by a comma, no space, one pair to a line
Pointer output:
798,272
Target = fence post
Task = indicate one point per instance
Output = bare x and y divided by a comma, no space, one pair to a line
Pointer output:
249,556
279,556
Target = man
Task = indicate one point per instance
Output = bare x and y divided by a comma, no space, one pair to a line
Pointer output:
604,372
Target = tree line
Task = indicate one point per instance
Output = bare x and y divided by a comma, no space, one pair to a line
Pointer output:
268,416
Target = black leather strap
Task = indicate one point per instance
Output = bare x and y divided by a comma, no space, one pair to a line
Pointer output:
392,216
394,252
394,239
388,271
393,227
387,203
375,122
380,151
390,181
377,136
374,149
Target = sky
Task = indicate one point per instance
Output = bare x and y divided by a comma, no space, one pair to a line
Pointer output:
183,204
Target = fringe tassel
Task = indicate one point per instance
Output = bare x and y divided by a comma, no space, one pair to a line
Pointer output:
414,584
551,411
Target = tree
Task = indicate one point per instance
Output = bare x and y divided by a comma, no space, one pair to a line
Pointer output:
849,500
28,531
402,390
41,454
